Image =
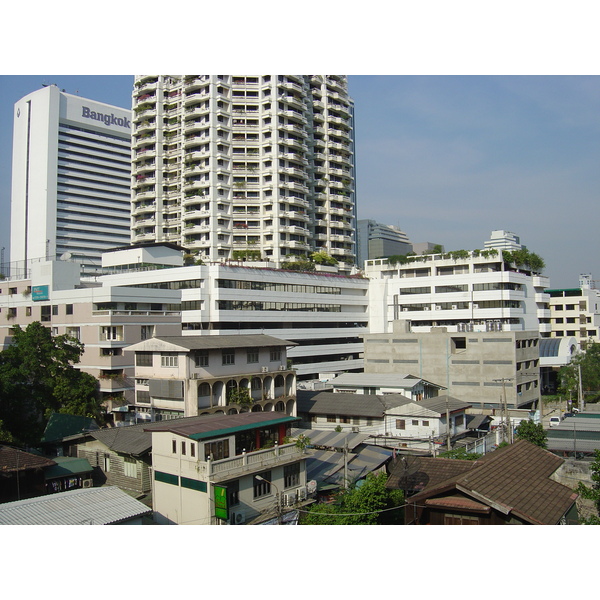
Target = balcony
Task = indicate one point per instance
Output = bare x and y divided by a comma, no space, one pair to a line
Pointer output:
247,462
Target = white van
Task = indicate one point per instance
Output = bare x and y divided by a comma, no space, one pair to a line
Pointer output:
554,421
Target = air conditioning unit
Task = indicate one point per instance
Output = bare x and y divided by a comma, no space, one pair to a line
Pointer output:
289,499
237,518
426,308
87,483
282,367
475,305
405,309
355,430
454,307
302,493
265,369
437,307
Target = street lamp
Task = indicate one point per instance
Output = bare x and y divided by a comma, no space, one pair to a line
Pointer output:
277,496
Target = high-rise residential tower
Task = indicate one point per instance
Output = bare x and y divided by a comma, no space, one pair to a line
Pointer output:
254,167
70,178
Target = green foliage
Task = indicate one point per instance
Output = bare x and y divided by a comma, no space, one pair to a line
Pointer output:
460,454
371,496
191,258
593,492
322,258
240,396
5,435
589,361
398,259
338,428
298,265
37,378
246,255
532,432
524,258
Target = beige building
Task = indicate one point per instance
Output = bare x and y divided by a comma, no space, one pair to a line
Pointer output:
205,469
179,376
105,319
476,367
575,312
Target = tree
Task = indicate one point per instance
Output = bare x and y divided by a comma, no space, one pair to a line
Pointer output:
592,492
37,377
589,362
322,258
366,503
532,432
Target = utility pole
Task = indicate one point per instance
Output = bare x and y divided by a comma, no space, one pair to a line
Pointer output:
448,433
579,390
505,417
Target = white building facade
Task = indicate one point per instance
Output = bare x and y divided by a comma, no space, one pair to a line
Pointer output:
70,178
253,166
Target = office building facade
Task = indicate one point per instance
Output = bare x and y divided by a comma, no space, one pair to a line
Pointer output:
251,167
70,178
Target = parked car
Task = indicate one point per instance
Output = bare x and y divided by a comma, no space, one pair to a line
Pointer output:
554,421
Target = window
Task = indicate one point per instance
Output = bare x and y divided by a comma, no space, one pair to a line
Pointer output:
143,359
192,449
400,424
415,423
46,314
74,332
142,396
174,442
425,423
331,419
458,421
275,354
106,463
147,332
201,358
111,333
228,357
252,354
262,487
216,450
291,475
55,309
28,311
68,309
168,359
183,448
129,467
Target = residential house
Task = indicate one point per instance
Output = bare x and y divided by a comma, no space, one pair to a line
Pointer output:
21,474
217,469
390,419
514,485
180,376
410,386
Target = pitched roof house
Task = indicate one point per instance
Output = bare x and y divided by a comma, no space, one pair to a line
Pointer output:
512,485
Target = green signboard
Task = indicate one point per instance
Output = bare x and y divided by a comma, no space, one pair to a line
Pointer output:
221,508
39,292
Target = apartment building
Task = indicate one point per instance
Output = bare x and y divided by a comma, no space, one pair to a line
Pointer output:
575,312
185,376
105,319
226,469
463,291
71,177
260,167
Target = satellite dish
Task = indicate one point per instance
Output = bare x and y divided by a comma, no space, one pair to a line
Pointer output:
66,256
406,468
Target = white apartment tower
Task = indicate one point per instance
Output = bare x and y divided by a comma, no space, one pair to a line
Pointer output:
245,167
70,178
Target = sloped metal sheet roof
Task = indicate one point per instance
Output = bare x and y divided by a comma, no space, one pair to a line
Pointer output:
357,405
208,342
93,506
402,380
326,467
331,439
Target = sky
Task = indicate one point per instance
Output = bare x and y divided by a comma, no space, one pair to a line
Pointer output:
447,159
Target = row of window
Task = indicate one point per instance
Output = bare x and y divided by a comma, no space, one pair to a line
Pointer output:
277,287
201,357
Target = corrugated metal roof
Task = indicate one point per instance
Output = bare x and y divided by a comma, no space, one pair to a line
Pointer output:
331,439
66,465
93,506
402,380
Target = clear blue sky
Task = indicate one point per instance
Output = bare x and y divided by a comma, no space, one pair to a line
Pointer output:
446,158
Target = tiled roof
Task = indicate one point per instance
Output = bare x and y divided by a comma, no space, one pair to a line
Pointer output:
92,506
331,439
13,459
428,472
514,479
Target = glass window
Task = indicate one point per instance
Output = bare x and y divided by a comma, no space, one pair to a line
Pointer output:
201,358
252,354
228,356
262,487
168,359
400,424
143,359
291,475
